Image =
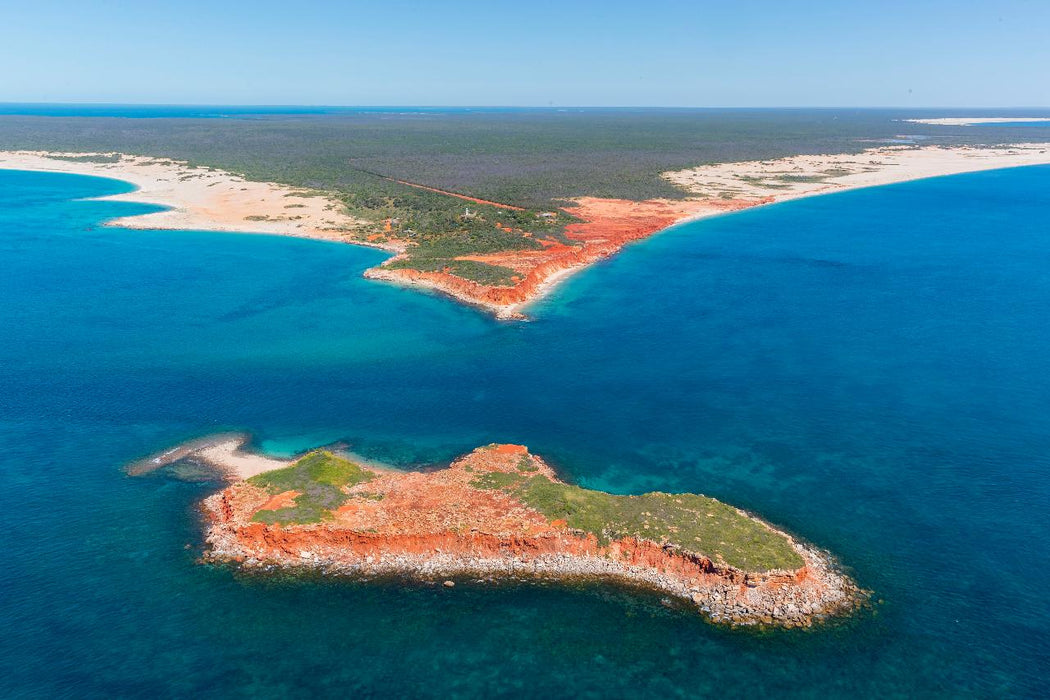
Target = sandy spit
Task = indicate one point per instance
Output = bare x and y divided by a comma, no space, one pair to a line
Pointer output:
207,199
224,452
805,176
968,121
201,199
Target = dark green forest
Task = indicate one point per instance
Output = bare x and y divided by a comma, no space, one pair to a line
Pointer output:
532,158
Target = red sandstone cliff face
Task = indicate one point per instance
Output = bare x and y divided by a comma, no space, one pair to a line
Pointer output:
607,225
440,524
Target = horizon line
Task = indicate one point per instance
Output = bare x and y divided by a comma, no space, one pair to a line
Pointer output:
277,105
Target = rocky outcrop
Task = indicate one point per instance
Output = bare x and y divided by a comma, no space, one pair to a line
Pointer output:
454,522
605,227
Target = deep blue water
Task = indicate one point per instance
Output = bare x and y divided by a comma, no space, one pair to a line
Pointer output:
133,111
159,111
869,369
184,111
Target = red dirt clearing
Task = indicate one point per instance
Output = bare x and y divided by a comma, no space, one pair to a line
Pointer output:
456,195
285,499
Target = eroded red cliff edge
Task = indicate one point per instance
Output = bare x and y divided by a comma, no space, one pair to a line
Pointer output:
444,524
605,227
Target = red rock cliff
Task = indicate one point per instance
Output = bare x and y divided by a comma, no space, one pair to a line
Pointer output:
444,523
607,225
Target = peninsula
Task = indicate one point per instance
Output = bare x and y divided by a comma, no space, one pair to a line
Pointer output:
502,511
494,255
972,121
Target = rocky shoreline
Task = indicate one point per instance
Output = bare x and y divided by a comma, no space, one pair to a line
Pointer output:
211,199
606,226
724,596
502,537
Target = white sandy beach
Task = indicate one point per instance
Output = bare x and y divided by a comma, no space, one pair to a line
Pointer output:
224,452
215,200
969,121
771,181
804,176
201,199
208,199
229,456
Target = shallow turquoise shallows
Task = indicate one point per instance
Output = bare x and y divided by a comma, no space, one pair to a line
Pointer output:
870,370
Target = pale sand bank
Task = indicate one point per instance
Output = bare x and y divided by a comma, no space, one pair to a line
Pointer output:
206,199
201,199
224,453
805,176
968,121
229,457
755,183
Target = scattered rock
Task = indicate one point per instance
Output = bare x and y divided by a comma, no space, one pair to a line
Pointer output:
439,524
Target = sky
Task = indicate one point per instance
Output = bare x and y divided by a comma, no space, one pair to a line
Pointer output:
682,53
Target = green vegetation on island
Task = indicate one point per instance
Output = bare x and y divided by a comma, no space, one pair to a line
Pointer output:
319,477
482,273
688,521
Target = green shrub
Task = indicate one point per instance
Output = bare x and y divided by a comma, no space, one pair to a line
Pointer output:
691,522
320,478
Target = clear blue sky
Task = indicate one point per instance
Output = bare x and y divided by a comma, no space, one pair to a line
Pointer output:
528,52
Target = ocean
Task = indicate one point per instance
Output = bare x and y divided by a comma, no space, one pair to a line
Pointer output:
869,370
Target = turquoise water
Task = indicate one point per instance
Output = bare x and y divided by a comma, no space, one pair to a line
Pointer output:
868,369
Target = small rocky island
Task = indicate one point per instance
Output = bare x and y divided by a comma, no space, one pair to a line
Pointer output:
503,511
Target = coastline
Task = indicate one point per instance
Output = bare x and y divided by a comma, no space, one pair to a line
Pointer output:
796,177
454,523
225,453
725,188
211,199
198,198
230,457
970,121
721,595
514,311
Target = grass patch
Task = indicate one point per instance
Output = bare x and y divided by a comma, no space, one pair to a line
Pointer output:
802,178
320,477
694,523
762,182
482,273
498,481
90,158
525,464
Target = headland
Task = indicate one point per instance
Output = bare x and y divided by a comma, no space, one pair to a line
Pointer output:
502,511
506,257
972,121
